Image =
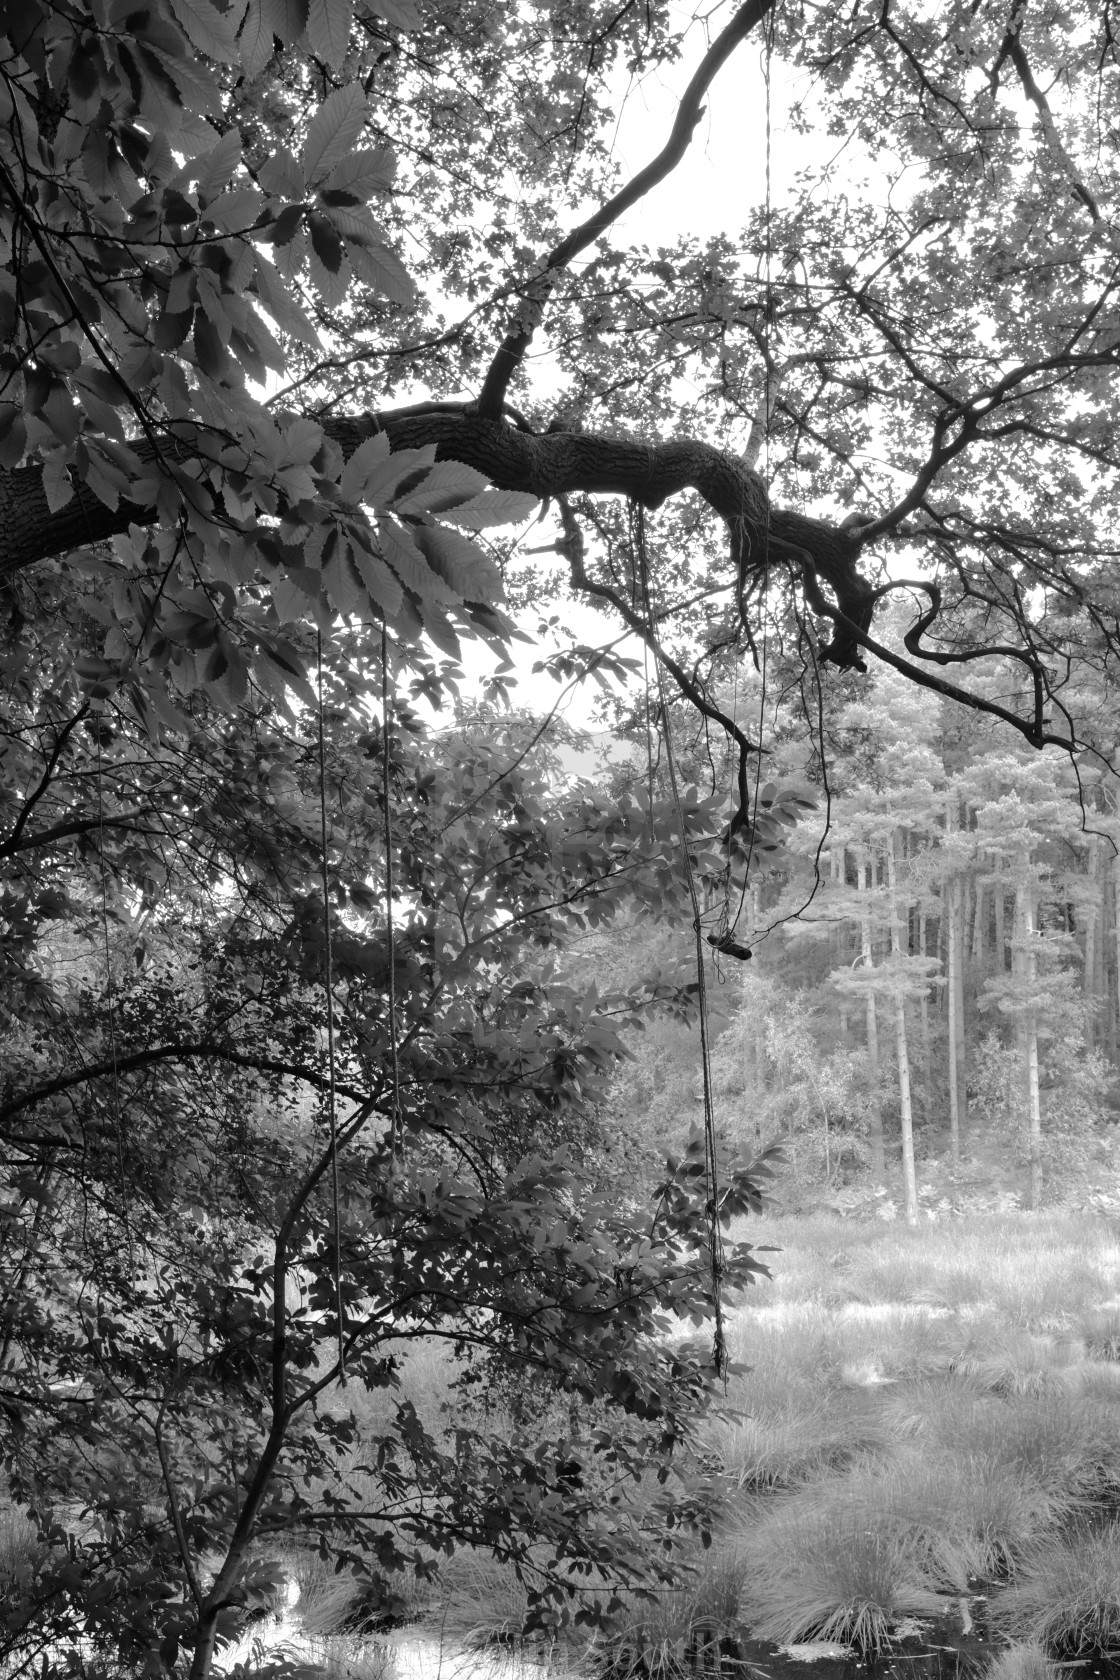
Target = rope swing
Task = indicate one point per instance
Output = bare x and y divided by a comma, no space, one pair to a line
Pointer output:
711,1162
328,958
394,1054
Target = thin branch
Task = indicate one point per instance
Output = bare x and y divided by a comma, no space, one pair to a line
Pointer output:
511,352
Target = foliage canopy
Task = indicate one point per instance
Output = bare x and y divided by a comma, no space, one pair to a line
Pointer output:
274,275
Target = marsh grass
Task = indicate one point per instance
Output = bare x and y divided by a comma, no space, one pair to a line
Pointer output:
923,1407
1014,1361
658,1636
327,1599
1067,1597
813,1572
351,1657
1037,1270
479,1602
1100,1328
1064,1443
962,1517
1025,1661
787,1448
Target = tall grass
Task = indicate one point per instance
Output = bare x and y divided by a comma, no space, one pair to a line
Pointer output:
1067,1598
1036,1270
830,1573
653,1637
922,1408
1025,1661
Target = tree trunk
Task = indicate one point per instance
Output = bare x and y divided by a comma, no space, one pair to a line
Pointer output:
962,1042
952,941
875,1133
922,941
1030,1026
1089,978
905,1112
979,930
1116,928
1001,931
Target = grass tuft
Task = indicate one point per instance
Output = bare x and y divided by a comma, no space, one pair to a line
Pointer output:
1027,1661
831,1573
1067,1597
659,1637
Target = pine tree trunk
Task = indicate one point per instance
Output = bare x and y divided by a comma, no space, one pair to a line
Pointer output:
1089,986
905,1112
1030,1024
1116,927
958,1000
1108,965
922,939
869,962
837,873
875,1133
1001,931
1018,975
952,919
979,930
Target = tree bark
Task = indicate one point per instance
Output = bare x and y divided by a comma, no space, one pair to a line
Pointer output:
905,1111
952,939
875,1134
1090,980
922,942
979,928
548,465
1030,1026
1116,930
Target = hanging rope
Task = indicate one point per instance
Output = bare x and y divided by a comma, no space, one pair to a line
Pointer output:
394,1055
328,955
711,1163
769,397
110,995
724,933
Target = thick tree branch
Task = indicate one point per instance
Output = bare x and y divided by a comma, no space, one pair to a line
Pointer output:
549,466
556,464
513,347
